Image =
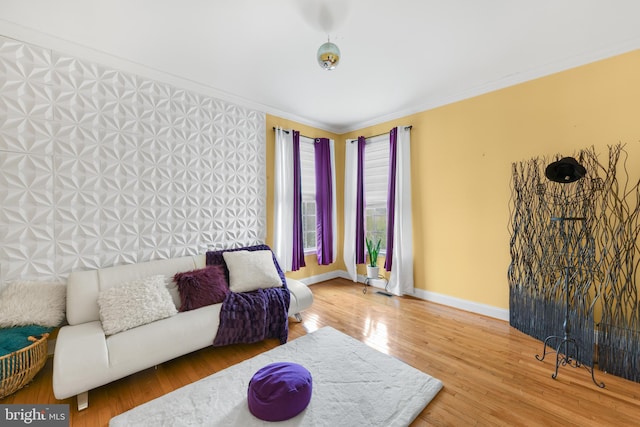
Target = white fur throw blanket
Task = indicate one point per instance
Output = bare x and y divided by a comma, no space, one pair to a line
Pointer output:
32,303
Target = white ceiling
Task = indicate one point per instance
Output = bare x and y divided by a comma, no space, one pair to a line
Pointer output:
398,56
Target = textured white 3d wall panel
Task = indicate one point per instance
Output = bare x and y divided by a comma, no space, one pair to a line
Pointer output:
100,167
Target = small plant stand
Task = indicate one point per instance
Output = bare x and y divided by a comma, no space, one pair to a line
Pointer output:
367,282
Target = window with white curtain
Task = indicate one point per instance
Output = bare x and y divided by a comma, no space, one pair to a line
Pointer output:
376,177
308,177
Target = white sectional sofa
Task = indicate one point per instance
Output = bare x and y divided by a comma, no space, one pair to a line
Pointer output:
85,358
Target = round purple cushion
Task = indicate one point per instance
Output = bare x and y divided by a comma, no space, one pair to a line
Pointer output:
279,391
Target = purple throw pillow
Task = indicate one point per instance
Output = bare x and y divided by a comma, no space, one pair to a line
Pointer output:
199,288
279,391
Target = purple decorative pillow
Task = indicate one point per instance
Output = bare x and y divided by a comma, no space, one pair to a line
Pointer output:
279,391
199,288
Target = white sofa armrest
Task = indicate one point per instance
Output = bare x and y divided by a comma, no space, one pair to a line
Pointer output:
301,297
79,349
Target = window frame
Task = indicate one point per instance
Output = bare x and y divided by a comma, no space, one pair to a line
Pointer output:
308,190
378,204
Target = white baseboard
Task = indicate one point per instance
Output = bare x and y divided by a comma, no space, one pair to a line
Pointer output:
462,304
324,277
459,303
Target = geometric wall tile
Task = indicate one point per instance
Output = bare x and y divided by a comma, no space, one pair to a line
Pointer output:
99,167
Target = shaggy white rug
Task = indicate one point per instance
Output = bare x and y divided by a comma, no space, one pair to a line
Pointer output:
353,385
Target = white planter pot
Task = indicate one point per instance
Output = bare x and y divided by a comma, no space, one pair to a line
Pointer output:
372,272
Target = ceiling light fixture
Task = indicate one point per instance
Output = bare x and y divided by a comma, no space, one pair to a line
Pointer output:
328,55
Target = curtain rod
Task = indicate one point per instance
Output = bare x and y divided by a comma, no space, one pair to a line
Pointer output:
287,132
368,137
380,134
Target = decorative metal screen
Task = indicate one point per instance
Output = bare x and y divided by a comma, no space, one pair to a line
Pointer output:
599,248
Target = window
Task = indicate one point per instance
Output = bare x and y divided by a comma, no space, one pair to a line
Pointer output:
308,178
376,181
309,225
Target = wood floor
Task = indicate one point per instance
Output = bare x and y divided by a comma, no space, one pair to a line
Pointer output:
489,370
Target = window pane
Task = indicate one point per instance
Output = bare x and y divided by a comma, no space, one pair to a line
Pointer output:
310,241
309,225
307,169
308,178
376,223
376,170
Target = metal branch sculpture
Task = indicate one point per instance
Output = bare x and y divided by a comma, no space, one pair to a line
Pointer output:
603,251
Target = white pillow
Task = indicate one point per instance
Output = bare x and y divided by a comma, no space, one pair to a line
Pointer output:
251,270
172,287
135,303
32,303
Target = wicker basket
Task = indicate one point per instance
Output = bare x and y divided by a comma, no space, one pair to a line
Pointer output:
17,369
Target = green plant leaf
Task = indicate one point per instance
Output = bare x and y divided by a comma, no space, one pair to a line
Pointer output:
373,251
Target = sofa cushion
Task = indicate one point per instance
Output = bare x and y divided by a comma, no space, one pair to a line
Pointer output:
202,287
157,342
83,287
135,303
251,270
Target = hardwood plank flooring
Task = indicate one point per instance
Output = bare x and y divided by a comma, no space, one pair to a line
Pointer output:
489,370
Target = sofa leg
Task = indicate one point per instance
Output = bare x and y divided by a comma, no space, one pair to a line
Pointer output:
83,401
298,317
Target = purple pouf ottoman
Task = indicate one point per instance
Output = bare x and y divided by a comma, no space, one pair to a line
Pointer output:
279,391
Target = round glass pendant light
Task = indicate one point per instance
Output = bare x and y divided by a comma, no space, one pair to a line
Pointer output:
328,56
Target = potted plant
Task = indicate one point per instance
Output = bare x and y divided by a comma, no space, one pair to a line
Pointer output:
373,249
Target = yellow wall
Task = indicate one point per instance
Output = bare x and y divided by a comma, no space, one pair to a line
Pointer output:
461,164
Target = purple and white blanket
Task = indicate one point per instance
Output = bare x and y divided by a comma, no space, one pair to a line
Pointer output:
248,317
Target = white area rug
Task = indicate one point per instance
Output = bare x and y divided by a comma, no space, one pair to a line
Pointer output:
353,385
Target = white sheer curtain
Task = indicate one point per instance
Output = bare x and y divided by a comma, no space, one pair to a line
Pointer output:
350,201
401,279
334,208
283,199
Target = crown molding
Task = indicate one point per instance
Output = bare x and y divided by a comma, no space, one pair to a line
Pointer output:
507,81
29,35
